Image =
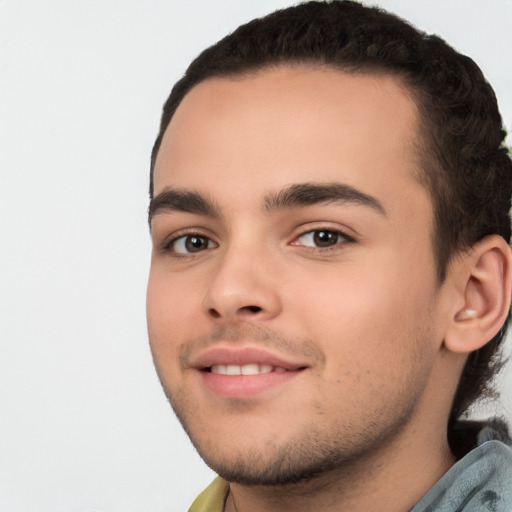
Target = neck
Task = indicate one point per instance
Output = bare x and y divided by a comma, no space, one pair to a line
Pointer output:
393,480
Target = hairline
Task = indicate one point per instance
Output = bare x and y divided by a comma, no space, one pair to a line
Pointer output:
419,145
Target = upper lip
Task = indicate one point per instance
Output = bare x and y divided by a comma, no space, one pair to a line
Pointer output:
241,356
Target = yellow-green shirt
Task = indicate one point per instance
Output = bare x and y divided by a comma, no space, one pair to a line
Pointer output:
213,498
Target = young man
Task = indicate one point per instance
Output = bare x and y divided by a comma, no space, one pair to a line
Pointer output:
331,276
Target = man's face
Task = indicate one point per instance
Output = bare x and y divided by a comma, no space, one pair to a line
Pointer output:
292,249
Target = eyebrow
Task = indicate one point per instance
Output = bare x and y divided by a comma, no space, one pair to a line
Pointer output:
307,194
178,200
294,196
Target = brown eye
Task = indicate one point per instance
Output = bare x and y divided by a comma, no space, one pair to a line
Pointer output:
321,238
325,238
191,244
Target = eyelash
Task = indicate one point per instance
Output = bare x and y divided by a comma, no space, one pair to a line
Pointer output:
170,246
331,231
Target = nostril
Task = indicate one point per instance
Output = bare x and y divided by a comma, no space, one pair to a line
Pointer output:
245,310
251,309
214,313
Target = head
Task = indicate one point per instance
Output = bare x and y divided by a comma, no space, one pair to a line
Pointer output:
460,161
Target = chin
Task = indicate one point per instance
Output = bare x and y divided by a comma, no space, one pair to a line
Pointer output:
305,457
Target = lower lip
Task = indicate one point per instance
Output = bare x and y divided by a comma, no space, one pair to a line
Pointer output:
245,386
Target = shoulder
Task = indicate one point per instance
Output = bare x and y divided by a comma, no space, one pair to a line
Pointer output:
213,498
481,481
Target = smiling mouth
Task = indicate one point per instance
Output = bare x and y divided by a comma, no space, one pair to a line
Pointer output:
246,381
246,369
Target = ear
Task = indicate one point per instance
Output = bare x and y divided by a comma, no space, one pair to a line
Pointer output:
482,277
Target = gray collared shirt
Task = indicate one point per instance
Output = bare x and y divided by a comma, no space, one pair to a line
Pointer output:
479,482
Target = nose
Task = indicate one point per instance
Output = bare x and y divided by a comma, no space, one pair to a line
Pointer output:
242,289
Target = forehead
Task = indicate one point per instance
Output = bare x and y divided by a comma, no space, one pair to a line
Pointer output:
290,125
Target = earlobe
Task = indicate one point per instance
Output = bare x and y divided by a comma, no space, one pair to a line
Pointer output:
484,281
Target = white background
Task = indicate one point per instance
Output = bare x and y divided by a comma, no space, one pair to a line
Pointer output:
84,425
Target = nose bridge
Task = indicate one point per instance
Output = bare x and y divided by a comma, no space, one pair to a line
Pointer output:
241,284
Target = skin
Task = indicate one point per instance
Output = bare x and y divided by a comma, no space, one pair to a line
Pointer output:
363,426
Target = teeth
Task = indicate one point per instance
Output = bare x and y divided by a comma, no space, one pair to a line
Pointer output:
246,369
232,369
219,368
249,369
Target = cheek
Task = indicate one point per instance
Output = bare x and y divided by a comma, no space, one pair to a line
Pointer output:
377,345
169,298
170,312
367,319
